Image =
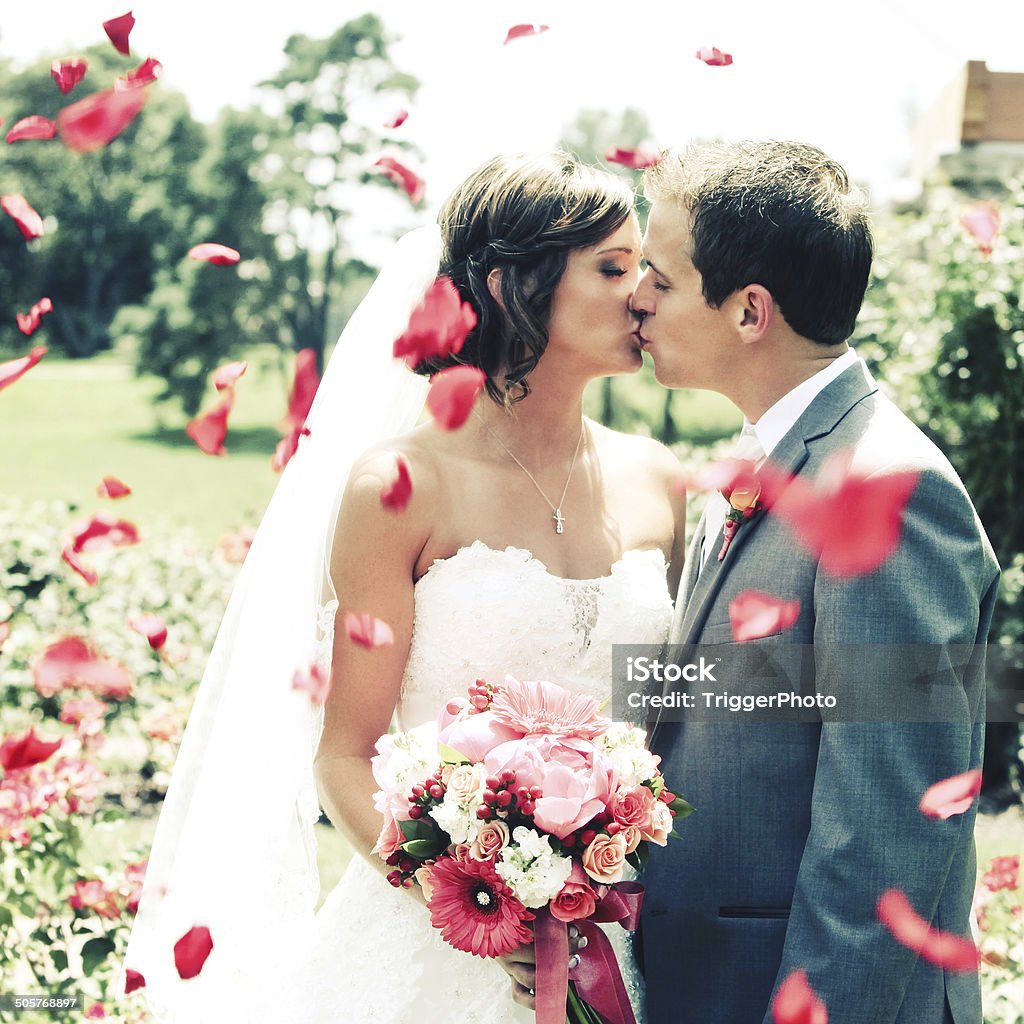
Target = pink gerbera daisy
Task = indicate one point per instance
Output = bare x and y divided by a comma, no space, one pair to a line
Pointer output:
546,708
475,910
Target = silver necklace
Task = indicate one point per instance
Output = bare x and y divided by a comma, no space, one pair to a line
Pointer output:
556,510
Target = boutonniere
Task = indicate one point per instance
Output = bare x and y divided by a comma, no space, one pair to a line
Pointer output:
744,498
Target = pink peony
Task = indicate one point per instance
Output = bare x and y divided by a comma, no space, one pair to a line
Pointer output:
533,756
473,735
570,799
542,707
577,899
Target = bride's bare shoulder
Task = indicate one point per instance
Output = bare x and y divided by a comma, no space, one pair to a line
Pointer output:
635,451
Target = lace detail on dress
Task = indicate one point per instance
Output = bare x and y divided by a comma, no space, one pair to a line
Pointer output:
582,596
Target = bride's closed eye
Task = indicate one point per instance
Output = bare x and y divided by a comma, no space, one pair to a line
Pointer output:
611,270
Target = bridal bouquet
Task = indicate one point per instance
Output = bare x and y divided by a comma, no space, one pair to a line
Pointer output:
517,815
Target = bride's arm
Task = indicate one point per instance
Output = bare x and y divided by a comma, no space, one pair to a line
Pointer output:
372,561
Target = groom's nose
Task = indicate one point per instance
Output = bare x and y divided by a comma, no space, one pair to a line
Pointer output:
638,301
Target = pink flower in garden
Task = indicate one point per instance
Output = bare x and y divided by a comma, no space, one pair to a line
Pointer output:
475,910
981,221
93,895
542,707
233,547
1003,873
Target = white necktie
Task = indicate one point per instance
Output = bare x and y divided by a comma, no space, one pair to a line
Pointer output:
747,447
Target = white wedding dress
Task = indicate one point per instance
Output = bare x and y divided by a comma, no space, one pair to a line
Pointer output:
374,957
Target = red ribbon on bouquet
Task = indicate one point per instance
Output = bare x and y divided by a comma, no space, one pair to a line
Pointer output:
597,977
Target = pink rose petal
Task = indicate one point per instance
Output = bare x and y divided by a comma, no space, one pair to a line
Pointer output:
209,429
28,323
951,796
797,1003
28,221
635,159
145,74
754,614
152,627
942,949
452,394
94,122
215,253
11,370
191,951
523,31
118,30
111,487
714,57
33,127
410,182
367,631
438,326
981,222
395,496
315,682
397,119
226,375
68,73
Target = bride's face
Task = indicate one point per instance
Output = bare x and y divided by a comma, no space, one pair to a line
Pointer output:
591,323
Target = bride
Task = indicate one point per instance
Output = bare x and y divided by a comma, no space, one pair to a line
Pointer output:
534,539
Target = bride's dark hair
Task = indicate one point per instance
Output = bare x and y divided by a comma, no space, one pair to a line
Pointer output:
521,215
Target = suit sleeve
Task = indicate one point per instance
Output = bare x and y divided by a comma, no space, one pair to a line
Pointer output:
867,834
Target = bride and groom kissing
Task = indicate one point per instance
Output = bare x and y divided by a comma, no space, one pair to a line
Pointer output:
534,539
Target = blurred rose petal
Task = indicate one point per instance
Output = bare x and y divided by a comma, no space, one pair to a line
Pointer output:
316,682
118,30
17,752
452,394
981,222
637,159
28,323
30,223
714,57
396,495
942,949
111,487
11,370
209,429
397,119
438,326
304,385
286,448
951,796
97,120
33,127
522,31
226,375
68,73
367,631
413,185
215,253
152,627
89,575
754,614
133,980
191,951
145,74
103,532
797,1003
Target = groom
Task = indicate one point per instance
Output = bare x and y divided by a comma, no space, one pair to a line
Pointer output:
758,258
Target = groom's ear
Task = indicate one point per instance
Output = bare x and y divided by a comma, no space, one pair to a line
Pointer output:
755,311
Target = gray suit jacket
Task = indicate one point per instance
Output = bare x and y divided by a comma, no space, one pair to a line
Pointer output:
800,827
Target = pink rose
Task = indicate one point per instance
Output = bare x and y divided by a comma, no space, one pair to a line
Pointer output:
467,783
422,876
490,841
632,836
634,807
576,900
605,858
661,825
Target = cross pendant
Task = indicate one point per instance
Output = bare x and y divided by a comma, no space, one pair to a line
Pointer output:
559,521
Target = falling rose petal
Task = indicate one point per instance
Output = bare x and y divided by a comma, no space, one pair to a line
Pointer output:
28,323
316,682
191,951
981,222
522,31
452,394
17,752
111,487
412,184
68,73
133,980
286,448
152,627
951,796
226,375
97,120
215,253
754,614
797,1003
89,575
942,949
367,631
103,532
118,30
30,223
438,326
636,159
396,495
209,429
304,385
145,74
33,127
714,57
11,370
397,119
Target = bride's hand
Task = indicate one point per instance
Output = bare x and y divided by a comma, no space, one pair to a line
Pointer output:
521,967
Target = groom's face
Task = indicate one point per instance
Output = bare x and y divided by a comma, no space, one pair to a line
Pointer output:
689,341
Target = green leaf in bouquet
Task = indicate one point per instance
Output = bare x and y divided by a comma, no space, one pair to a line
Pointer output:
681,807
424,849
449,755
421,828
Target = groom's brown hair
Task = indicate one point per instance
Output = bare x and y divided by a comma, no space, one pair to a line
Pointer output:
779,214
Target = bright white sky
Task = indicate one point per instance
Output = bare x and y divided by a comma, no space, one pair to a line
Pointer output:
801,69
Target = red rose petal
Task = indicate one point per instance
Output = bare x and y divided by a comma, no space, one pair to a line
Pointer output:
209,429
68,73
981,222
797,1003
11,370
28,323
637,159
118,30
286,448
522,31
133,980
89,575
367,631
103,532
939,948
72,662
152,627
316,682
304,386
396,495
111,487
97,120
438,326
191,951
397,119
226,375
951,796
452,394
33,127
30,223
215,253
145,74
17,752
754,614
413,185
714,57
